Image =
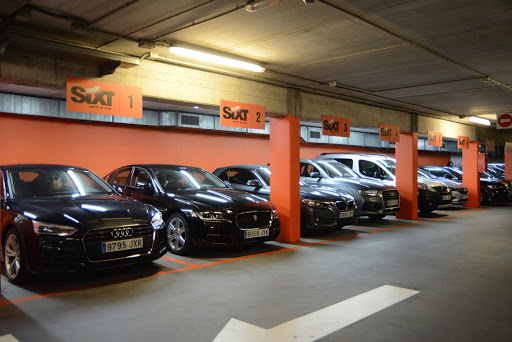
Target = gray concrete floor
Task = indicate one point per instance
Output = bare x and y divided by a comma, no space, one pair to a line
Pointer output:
459,259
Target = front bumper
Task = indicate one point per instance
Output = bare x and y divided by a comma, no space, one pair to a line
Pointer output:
383,204
317,218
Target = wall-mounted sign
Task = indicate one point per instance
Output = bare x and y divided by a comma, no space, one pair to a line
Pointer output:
389,132
490,146
503,121
94,97
332,125
435,138
236,114
463,142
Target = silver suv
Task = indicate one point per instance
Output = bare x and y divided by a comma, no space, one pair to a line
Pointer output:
431,194
374,199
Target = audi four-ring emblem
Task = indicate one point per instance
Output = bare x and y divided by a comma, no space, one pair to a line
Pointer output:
121,232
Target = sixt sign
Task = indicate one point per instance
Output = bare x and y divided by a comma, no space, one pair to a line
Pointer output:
435,138
237,114
389,132
94,97
463,142
335,126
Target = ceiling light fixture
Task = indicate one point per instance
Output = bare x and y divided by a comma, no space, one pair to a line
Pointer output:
256,5
480,121
211,58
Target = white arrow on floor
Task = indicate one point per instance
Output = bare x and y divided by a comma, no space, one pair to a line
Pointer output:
320,323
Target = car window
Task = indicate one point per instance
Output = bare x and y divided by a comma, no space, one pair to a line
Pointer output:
140,176
122,177
307,169
224,175
172,178
240,176
336,170
370,169
345,161
264,174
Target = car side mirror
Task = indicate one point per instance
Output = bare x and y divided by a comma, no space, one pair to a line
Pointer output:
144,187
314,174
253,182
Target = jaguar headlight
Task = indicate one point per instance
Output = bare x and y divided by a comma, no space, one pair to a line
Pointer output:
490,186
211,215
157,221
368,192
315,204
53,229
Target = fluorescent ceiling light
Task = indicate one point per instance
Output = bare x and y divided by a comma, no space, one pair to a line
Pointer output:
208,57
480,121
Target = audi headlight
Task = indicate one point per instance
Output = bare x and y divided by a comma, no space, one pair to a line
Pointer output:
53,229
211,215
368,192
157,221
315,204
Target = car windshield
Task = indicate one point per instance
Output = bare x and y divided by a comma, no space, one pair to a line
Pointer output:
336,170
186,178
264,173
456,172
58,181
426,174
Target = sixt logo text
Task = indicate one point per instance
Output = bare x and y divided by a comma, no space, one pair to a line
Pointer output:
92,96
386,132
330,125
235,113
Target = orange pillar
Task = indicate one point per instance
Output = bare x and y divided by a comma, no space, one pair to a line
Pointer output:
508,163
285,172
470,175
406,154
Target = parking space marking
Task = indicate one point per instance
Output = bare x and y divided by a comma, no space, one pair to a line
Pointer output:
179,261
19,300
8,338
318,324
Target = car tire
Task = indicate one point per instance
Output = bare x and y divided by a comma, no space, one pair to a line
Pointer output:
178,234
14,257
377,216
428,207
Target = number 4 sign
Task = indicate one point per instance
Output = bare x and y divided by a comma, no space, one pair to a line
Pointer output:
463,142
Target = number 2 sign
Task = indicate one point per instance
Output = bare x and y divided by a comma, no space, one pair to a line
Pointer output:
237,114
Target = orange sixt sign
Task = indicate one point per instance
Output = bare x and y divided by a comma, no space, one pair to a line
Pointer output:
463,142
333,125
94,97
237,114
389,132
435,138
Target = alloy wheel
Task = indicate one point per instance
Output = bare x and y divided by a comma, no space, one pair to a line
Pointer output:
12,256
176,233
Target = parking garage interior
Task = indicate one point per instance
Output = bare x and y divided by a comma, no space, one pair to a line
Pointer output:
423,66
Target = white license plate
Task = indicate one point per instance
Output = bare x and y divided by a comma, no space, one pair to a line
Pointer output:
250,234
121,245
344,214
447,197
391,203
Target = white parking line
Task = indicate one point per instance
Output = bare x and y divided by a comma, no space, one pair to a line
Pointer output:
8,338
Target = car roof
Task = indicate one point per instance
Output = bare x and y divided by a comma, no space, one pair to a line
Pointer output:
17,167
245,166
366,155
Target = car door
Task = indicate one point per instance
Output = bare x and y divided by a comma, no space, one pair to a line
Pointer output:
121,179
143,188
311,174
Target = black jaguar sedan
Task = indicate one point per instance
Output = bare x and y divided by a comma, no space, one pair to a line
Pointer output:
199,209
59,218
319,208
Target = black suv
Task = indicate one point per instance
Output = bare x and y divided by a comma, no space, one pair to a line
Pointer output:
199,209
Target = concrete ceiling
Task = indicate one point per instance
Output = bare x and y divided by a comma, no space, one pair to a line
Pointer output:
437,57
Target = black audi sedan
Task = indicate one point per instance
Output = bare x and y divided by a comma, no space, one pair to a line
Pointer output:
319,208
59,218
199,209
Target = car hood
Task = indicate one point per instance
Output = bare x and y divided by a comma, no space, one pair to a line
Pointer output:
84,212
451,183
430,182
326,195
219,199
